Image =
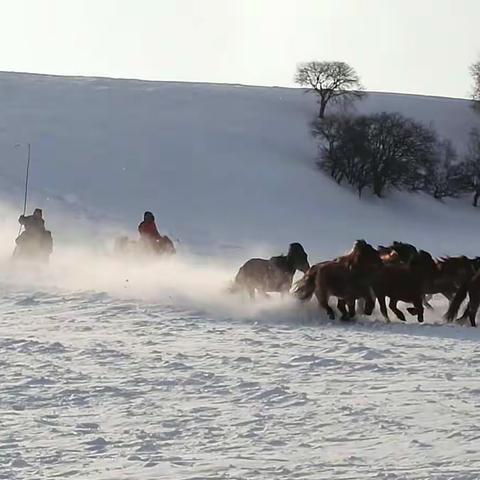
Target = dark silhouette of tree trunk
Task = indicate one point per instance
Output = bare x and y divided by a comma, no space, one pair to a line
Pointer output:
476,196
323,107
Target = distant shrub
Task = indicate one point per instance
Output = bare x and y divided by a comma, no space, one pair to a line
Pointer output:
471,167
376,152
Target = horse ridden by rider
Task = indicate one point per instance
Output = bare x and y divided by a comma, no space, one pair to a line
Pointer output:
35,243
151,242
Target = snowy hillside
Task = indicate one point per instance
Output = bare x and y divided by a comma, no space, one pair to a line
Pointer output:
220,165
113,369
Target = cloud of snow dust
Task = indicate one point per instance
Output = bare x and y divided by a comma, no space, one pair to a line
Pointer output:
184,280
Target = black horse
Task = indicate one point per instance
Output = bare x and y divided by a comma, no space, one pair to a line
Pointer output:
274,275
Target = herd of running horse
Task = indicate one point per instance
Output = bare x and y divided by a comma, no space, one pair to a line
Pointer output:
400,272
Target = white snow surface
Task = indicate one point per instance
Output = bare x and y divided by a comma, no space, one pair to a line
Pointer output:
120,369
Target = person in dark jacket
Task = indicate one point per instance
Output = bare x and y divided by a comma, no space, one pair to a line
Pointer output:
33,223
35,242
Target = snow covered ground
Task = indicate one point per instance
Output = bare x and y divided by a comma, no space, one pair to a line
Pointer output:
119,370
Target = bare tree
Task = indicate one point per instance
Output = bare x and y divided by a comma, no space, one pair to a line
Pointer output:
331,81
399,151
473,166
375,152
475,71
444,175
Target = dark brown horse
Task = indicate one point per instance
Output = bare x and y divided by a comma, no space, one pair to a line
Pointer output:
454,272
472,288
400,253
273,275
348,278
406,282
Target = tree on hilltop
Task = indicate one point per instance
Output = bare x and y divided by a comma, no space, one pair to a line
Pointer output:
331,81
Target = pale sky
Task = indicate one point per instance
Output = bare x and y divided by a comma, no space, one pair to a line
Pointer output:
412,46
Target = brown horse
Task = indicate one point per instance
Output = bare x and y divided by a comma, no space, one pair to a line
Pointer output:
406,282
454,272
348,278
472,288
397,252
405,253
273,275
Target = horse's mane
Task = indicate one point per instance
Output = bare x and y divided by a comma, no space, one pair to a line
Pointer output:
351,259
448,259
281,262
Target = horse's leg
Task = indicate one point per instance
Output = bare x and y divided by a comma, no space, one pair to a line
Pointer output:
285,290
322,297
369,303
342,307
426,301
418,304
393,307
262,289
351,308
362,304
473,304
464,315
383,307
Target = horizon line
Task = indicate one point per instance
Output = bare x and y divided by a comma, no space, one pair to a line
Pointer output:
244,85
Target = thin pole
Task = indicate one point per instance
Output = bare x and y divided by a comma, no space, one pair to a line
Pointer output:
26,185
26,180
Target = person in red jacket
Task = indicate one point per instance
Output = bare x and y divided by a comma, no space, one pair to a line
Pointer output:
151,238
148,230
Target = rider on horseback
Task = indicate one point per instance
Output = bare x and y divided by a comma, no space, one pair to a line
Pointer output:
151,238
33,223
35,241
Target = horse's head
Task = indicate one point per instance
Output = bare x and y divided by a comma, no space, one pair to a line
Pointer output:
297,257
406,251
364,256
424,262
475,263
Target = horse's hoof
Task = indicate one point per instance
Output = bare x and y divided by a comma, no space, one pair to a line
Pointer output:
420,320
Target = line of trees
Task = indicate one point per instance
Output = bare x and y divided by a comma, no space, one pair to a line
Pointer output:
378,152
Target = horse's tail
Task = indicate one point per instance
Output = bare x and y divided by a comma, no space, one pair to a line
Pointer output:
457,300
305,287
